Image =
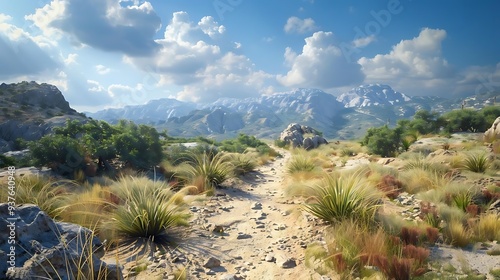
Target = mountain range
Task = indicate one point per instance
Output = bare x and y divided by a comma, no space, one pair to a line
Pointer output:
347,116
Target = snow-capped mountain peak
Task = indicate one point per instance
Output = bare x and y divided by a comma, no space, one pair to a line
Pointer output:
372,95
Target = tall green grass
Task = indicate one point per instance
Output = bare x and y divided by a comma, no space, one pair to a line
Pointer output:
478,163
338,198
205,171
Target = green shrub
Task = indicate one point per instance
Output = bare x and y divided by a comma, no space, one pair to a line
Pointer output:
382,141
6,161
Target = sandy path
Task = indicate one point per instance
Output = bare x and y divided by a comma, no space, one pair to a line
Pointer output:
258,222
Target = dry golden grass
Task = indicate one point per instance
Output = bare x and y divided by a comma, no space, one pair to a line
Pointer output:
420,180
487,228
457,234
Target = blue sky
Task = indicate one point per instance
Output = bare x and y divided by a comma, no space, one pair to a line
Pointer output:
111,53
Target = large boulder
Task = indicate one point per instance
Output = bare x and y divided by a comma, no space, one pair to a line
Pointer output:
493,132
47,249
304,136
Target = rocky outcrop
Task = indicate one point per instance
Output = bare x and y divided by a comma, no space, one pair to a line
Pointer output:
30,111
41,95
493,132
30,130
296,136
47,249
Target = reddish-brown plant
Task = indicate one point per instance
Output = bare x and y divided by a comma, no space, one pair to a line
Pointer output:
410,235
473,210
390,186
432,234
419,254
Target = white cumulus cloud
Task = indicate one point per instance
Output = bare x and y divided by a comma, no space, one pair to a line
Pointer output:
416,64
321,65
297,25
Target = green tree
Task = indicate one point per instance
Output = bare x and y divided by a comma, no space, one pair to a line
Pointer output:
465,120
59,152
382,140
138,145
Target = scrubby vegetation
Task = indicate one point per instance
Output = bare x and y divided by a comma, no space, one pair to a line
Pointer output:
379,217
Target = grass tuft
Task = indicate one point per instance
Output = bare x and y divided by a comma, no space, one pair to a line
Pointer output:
205,171
476,163
300,163
149,209
339,198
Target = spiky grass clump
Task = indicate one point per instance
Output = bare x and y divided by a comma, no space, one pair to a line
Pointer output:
349,246
48,194
341,198
300,164
478,163
205,171
242,163
147,209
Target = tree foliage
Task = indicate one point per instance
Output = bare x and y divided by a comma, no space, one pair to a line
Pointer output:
385,141
382,140
71,147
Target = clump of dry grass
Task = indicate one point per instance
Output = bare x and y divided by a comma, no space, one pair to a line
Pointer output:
457,234
487,227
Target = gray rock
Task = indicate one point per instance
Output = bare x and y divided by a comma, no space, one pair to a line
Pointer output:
228,277
212,262
494,131
243,236
294,135
285,262
51,250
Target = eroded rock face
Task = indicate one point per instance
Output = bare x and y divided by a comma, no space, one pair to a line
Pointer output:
48,249
295,133
493,132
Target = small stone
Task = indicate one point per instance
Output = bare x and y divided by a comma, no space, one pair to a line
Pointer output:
212,262
243,236
269,258
227,277
285,262
257,206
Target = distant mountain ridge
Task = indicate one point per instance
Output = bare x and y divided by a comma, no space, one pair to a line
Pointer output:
346,116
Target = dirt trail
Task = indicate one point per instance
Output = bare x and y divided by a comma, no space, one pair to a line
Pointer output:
259,233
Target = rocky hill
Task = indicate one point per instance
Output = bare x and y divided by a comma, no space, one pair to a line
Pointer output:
30,110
